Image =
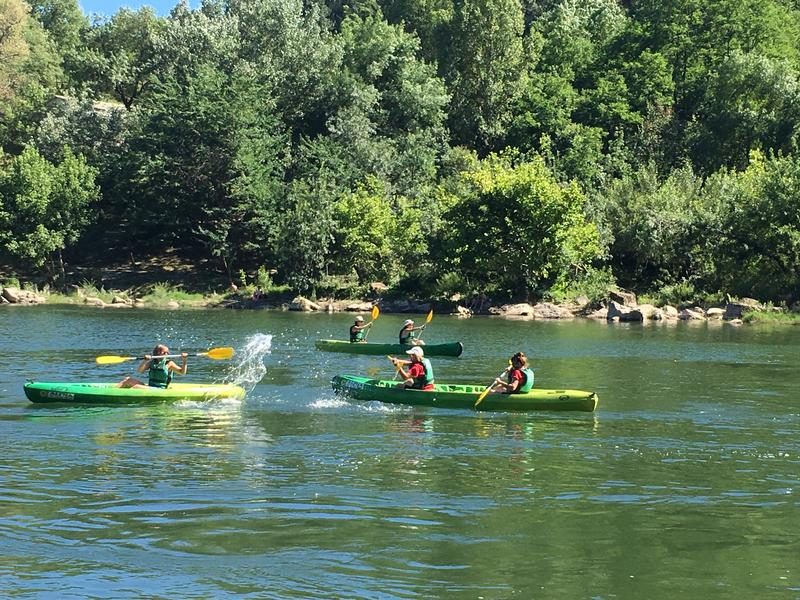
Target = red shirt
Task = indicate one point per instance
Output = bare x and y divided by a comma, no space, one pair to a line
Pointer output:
416,371
518,376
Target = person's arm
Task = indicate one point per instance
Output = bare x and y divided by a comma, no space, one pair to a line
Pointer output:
144,365
183,369
399,364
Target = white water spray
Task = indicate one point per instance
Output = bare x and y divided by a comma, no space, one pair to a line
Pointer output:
249,368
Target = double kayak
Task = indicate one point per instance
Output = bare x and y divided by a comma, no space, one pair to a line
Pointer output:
448,349
109,393
446,395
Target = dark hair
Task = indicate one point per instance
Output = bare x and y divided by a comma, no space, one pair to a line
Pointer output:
520,358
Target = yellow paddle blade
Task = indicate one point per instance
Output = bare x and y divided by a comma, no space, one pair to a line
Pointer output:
483,395
429,317
220,353
113,360
375,312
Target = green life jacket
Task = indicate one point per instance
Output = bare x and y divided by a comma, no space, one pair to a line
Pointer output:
407,336
159,374
356,335
528,384
420,382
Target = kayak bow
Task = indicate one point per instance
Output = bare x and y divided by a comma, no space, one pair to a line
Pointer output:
445,395
109,393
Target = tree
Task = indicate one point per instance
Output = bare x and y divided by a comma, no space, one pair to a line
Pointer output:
44,207
484,70
518,231
129,54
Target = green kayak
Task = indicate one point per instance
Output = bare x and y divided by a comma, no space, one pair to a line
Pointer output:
108,393
447,395
449,349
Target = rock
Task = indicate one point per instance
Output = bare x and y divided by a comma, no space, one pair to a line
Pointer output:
692,314
620,312
736,310
547,310
517,310
12,294
118,300
715,313
582,301
94,301
646,312
463,312
361,307
138,303
669,312
600,313
303,304
623,297
173,304
378,287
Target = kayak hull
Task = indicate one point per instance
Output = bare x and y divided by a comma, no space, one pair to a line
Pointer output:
449,349
108,393
463,396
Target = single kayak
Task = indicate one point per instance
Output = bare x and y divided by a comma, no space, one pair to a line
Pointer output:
447,395
448,349
108,393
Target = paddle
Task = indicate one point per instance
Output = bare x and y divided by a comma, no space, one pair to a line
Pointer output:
214,353
376,312
397,368
485,392
428,319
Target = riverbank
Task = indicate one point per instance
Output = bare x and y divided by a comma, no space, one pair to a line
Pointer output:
167,282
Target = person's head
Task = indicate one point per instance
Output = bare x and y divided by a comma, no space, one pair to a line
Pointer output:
408,323
359,320
160,350
416,353
519,360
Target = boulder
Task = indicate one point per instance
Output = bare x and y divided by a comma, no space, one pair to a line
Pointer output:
623,297
715,313
692,314
669,312
119,300
736,310
378,287
360,307
600,313
12,294
173,304
517,310
620,312
547,310
645,312
94,301
303,304
463,312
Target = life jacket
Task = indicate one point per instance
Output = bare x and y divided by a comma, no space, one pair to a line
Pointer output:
407,336
526,385
356,335
427,377
159,374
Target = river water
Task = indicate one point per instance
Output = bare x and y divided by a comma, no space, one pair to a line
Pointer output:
685,483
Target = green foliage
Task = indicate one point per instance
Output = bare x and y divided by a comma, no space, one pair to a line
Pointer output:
44,207
519,230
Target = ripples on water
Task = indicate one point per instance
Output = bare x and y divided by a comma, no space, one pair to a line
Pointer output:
684,482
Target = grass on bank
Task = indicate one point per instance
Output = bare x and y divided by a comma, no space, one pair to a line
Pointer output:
153,295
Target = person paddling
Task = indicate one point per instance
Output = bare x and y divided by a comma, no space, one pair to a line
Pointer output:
358,330
519,377
409,334
159,370
419,375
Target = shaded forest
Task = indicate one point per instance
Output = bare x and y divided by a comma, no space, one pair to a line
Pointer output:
523,149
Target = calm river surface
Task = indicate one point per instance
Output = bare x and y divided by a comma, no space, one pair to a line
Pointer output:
684,484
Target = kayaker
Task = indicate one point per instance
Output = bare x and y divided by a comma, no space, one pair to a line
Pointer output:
159,370
419,375
409,335
519,377
358,330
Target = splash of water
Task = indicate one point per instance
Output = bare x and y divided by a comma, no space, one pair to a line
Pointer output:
248,367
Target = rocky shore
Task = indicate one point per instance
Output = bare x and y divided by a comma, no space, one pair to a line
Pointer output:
621,307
